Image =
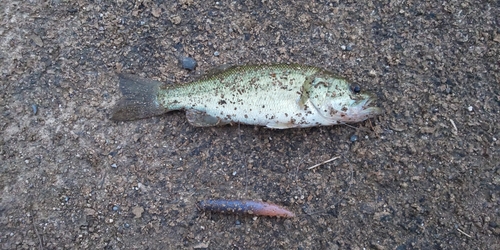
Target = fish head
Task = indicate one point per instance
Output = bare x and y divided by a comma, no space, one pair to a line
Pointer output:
340,102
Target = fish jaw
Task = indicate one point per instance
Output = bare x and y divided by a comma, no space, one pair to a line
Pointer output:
361,110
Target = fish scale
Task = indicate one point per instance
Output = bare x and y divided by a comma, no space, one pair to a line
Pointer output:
277,96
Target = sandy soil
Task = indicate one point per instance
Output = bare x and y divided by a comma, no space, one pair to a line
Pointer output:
424,175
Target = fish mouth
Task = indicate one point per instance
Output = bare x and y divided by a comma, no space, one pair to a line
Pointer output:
364,107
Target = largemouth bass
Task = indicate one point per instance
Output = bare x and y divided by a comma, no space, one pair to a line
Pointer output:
276,96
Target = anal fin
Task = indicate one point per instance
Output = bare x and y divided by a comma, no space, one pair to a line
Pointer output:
281,125
201,119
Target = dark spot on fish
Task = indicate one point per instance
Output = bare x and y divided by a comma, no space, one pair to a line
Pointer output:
246,116
222,102
323,83
263,106
344,109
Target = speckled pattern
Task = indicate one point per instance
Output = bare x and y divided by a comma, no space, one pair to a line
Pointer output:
276,96
423,175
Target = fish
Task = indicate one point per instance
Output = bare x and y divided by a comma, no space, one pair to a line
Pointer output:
278,96
245,207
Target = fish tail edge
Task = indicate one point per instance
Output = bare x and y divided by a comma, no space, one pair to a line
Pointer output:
139,99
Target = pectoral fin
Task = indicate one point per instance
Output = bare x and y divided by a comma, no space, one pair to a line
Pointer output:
305,90
201,119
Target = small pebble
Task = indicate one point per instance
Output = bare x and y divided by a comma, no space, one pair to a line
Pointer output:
216,53
115,208
179,47
188,63
34,107
470,108
126,225
354,138
346,48
114,165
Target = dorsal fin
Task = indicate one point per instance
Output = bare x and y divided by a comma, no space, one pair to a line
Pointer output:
219,69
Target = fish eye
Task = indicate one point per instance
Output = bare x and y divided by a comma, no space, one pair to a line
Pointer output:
355,88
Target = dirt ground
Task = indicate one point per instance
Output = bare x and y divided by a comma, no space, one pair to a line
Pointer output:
424,175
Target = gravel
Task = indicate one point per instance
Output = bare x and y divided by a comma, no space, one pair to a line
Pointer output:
424,176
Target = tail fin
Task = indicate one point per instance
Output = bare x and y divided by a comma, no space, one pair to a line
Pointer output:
140,99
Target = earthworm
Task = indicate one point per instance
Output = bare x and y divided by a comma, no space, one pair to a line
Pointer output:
245,207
